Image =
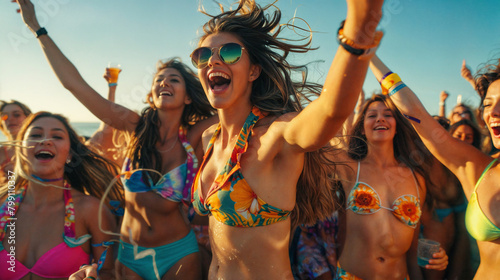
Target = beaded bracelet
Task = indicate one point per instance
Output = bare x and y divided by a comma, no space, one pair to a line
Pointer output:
112,84
354,48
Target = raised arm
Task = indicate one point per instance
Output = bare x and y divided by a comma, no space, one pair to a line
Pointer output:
442,103
465,161
105,136
467,74
320,120
115,115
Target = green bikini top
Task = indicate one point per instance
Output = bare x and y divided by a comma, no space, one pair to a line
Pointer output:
478,225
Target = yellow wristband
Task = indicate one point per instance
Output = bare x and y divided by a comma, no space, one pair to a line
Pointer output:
389,82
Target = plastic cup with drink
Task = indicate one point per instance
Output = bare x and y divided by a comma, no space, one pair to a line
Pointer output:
113,69
426,248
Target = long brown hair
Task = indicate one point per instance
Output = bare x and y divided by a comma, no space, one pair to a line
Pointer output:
408,147
142,149
87,172
275,92
485,77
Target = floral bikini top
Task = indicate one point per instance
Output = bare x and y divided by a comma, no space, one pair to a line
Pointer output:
60,261
363,199
230,199
175,185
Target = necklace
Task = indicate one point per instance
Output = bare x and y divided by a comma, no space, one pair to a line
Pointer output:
173,145
46,180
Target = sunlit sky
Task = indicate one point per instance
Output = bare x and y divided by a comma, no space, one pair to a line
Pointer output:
425,43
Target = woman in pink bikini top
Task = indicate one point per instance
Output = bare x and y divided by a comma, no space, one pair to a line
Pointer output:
48,225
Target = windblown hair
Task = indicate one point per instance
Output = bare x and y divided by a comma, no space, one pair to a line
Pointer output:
275,92
477,137
87,172
408,147
142,149
26,110
487,75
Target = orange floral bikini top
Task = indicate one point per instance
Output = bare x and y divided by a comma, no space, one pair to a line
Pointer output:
363,199
230,199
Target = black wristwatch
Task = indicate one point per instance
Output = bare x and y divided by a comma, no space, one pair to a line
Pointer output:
40,32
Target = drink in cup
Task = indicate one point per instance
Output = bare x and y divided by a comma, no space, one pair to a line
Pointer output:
114,69
426,248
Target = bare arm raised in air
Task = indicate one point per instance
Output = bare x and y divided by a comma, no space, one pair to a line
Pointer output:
343,83
442,103
113,114
467,74
467,164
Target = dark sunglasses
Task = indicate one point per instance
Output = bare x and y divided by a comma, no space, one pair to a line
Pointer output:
229,53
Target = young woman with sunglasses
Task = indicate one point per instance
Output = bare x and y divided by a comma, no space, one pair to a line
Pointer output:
478,173
261,162
156,241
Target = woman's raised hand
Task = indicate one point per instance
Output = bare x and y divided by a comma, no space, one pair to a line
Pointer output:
27,10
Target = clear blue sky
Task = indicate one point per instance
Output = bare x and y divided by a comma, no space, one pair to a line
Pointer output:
425,43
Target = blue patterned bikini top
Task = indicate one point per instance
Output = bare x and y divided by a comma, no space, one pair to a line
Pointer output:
174,186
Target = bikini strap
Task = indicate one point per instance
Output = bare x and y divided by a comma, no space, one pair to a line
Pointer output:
239,147
357,175
242,141
9,209
244,136
192,162
69,218
102,259
484,172
69,234
212,140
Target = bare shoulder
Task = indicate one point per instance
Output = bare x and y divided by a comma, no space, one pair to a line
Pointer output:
277,124
85,203
286,118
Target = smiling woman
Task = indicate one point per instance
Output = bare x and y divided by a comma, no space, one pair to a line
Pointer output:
387,188
162,158
265,168
55,173
478,173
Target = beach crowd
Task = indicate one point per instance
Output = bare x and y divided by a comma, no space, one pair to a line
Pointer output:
242,171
